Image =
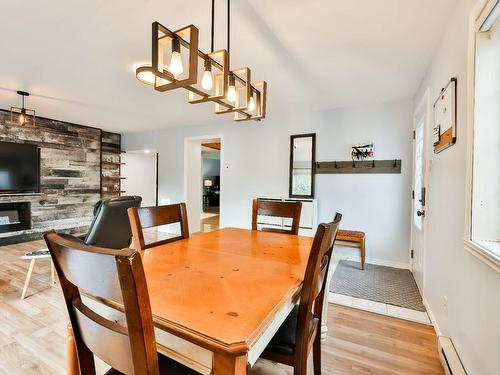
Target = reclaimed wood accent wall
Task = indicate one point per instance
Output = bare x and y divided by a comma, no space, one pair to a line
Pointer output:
70,176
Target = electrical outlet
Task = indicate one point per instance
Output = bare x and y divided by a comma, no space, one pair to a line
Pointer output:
445,305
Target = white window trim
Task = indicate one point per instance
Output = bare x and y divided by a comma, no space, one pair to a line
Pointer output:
478,14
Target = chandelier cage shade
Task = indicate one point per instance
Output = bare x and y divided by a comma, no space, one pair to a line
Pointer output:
22,115
230,90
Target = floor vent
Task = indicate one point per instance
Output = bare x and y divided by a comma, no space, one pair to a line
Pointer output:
449,357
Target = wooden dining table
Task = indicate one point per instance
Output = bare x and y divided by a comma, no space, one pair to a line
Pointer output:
218,298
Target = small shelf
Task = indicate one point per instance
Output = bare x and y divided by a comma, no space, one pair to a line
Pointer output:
112,164
113,178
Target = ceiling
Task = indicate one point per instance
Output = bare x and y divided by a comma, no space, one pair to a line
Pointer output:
77,58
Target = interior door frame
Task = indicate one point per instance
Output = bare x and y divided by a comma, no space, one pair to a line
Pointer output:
195,141
423,109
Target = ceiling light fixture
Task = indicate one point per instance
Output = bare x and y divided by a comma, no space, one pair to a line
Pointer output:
145,74
25,116
231,90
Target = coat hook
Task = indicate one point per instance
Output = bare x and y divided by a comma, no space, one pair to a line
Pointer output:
336,166
395,163
353,164
373,163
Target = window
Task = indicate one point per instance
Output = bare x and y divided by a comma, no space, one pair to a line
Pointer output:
483,232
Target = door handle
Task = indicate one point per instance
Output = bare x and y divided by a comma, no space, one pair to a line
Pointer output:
421,213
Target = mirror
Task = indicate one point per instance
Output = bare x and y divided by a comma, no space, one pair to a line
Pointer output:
302,165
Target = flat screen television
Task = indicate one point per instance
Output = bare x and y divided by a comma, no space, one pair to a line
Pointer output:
19,168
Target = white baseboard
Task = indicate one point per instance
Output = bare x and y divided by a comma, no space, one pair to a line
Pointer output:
379,262
432,317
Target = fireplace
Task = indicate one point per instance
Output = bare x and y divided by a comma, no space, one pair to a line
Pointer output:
15,216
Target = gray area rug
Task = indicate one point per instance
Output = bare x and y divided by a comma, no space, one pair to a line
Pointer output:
393,286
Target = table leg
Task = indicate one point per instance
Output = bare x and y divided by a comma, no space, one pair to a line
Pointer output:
28,278
72,357
229,365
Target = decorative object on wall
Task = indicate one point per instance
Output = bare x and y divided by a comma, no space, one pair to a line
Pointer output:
362,151
230,90
302,165
355,167
25,116
444,132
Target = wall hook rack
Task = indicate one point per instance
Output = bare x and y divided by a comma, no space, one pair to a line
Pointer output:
391,166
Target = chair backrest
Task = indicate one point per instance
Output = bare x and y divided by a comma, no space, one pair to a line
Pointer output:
314,286
110,227
289,209
147,217
115,275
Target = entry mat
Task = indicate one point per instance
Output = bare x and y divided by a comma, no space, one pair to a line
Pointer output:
393,286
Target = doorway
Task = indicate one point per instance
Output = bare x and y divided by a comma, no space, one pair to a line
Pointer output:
139,170
203,182
419,190
210,176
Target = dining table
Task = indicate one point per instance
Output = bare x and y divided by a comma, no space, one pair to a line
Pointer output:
218,298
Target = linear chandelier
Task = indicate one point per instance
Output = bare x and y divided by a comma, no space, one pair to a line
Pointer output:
231,90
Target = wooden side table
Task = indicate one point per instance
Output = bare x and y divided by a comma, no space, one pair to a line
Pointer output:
33,256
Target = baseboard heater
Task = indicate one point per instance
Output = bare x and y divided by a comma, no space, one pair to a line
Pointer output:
449,357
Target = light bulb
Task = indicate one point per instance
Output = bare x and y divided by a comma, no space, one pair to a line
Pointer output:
251,104
231,93
207,80
175,66
21,119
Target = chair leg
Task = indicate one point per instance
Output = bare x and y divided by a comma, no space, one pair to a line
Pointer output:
52,272
362,249
71,356
317,355
28,277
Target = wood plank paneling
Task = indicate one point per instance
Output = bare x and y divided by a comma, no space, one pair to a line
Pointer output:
70,181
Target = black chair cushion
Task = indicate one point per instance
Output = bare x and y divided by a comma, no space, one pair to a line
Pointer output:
283,342
167,367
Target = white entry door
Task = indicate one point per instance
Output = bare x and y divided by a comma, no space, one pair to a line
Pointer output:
419,198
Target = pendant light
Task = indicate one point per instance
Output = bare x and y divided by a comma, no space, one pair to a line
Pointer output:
231,90
25,116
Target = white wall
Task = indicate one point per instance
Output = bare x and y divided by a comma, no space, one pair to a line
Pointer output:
256,164
471,287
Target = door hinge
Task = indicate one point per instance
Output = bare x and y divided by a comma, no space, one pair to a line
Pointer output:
413,194
411,254
414,134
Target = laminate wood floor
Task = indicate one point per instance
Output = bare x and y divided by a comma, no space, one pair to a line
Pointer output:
33,331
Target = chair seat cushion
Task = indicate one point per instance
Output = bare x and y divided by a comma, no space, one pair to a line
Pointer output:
167,367
283,341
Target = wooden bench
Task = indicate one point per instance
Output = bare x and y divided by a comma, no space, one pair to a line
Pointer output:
353,239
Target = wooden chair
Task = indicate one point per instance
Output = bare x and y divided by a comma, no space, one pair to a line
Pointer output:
147,217
277,209
353,239
301,330
117,275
